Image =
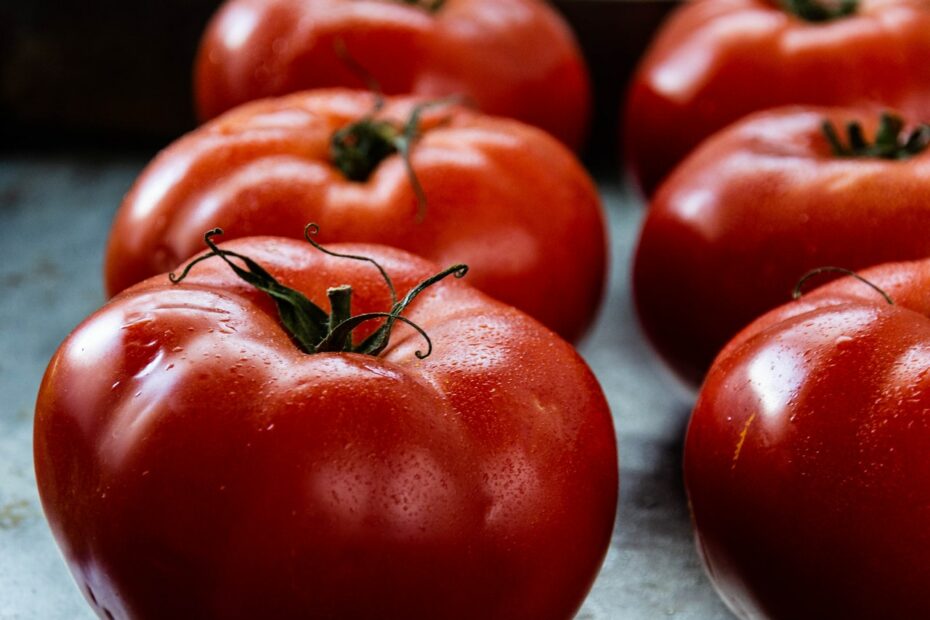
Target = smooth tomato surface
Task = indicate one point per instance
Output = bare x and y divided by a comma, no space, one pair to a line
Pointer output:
514,58
807,459
193,463
716,61
758,205
503,197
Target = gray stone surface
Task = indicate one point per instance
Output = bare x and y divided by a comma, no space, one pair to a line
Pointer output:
54,216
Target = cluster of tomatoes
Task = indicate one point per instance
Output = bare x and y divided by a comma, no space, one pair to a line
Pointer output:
776,138
314,419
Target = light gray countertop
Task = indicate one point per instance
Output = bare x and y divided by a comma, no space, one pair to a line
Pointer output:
55,213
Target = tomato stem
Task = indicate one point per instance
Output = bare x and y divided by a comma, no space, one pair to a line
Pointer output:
312,329
359,148
891,141
353,65
340,304
796,294
817,11
311,230
430,5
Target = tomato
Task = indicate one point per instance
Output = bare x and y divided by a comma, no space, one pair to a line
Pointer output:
501,196
731,231
807,458
716,61
514,58
195,462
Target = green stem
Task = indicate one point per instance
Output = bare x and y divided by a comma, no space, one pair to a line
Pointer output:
340,304
311,328
430,5
796,294
353,65
311,230
303,319
818,11
378,341
345,328
358,149
891,141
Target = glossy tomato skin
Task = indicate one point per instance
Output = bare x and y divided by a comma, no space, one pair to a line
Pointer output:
513,58
192,462
503,197
754,208
716,61
808,455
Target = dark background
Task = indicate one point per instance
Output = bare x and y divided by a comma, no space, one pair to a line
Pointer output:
118,72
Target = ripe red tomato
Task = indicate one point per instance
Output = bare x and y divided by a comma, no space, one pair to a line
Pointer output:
194,462
501,196
807,459
717,60
759,204
514,58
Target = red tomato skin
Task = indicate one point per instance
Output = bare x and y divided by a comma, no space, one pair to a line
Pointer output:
806,458
757,206
716,61
513,58
192,462
503,197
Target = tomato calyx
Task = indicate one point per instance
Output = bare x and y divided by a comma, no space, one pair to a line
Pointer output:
818,11
359,148
797,293
430,5
312,328
891,141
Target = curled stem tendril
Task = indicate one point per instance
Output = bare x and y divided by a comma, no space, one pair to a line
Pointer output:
312,328
797,293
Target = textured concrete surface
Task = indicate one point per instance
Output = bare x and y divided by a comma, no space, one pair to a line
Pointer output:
54,216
